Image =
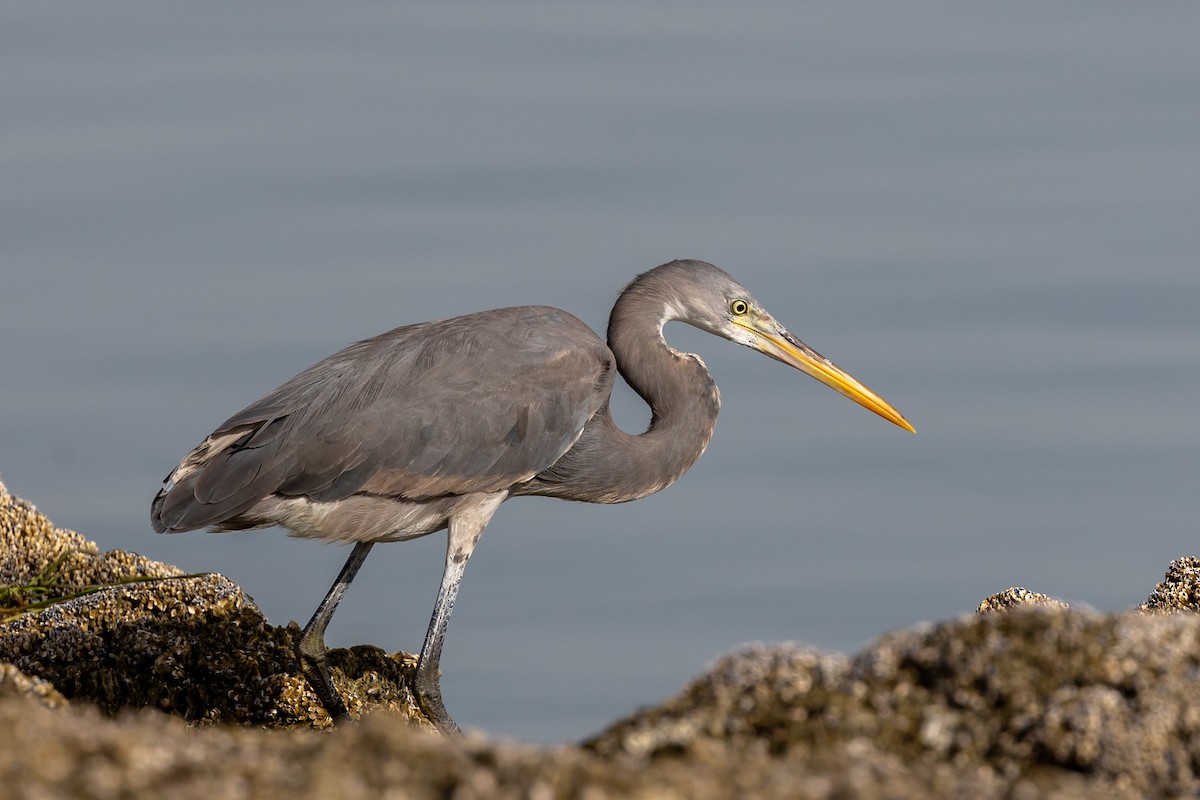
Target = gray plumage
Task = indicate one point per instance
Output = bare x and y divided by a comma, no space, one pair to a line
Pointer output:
433,425
472,404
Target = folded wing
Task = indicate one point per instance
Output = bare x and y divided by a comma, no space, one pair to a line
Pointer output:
471,404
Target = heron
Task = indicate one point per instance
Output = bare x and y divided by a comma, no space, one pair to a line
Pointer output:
432,426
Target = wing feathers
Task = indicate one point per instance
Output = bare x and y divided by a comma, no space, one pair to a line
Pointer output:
470,404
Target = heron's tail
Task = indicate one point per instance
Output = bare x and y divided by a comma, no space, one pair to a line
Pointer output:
209,486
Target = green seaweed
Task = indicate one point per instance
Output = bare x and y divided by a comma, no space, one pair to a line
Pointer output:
47,588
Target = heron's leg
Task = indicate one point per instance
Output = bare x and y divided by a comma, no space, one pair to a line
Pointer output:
466,526
428,679
311,648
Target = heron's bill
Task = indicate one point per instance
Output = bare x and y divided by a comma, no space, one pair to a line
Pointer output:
784,347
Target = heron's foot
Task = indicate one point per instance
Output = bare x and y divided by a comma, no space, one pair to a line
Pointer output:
435,710
427,689
314,665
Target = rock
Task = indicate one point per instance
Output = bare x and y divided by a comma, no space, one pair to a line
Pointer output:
1036,695
13,682
119,630
1014,597
1038,701
1179,590
35,553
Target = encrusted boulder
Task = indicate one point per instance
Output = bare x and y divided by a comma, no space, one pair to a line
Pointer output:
1030,699
122,631
1035,692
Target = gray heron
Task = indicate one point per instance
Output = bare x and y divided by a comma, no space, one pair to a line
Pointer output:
432,426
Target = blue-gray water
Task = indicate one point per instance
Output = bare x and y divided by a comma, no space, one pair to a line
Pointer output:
990,213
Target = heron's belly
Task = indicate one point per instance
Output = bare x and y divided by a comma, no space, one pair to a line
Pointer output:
359,518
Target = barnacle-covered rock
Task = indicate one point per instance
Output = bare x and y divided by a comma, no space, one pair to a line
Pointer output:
1179,589
33,550
1031,693
1015,597
1039,701
14,682
120,630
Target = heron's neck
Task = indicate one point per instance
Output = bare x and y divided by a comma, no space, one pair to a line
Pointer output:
682,396
608,465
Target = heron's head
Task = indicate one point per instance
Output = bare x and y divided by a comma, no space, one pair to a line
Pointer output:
705,296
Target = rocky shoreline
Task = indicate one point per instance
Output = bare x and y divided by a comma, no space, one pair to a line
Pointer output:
121,677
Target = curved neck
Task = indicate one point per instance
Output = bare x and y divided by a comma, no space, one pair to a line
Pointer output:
608,465
682,395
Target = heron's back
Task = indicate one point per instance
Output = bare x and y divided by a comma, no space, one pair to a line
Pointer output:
421,413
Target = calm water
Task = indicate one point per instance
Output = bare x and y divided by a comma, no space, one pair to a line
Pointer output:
987,213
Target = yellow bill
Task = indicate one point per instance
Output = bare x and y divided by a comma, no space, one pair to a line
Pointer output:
773,340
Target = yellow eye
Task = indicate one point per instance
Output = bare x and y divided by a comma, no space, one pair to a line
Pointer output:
739,307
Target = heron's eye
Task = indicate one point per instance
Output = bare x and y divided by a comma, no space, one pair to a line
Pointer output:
739,307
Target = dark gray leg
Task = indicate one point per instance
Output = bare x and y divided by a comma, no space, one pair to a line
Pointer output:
428,679
310,650
466,526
